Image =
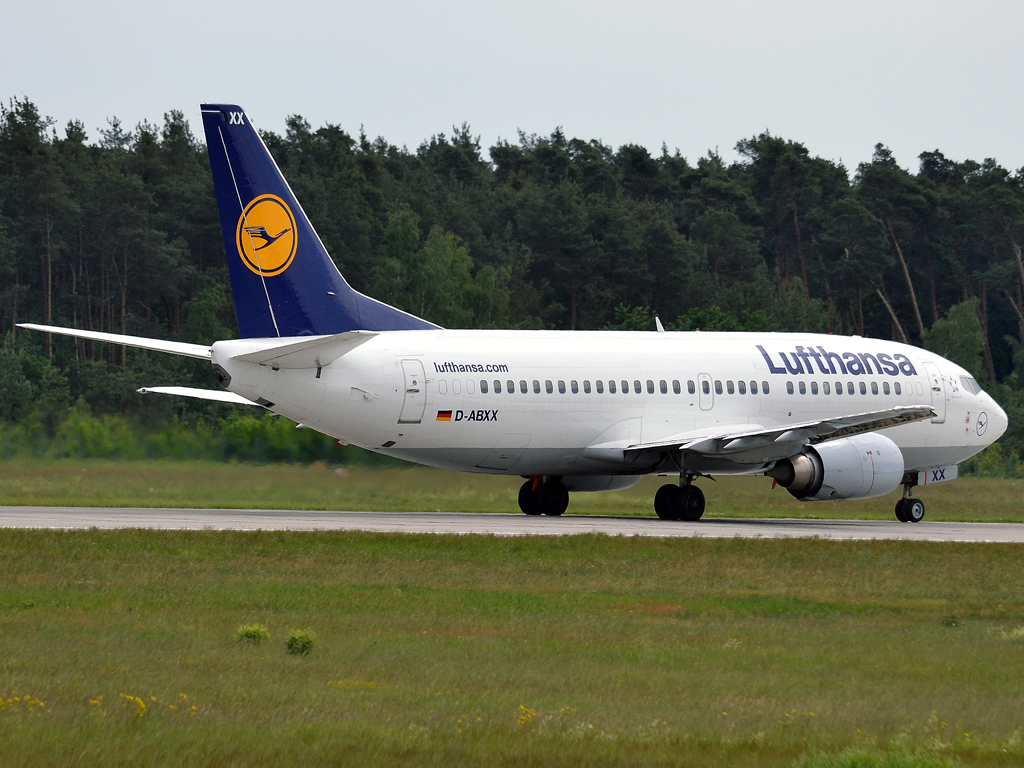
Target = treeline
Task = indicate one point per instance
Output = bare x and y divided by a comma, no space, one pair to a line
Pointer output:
119,232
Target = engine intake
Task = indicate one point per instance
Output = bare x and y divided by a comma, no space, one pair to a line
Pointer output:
858,467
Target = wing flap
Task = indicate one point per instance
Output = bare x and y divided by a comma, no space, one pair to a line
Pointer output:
156,345
762,443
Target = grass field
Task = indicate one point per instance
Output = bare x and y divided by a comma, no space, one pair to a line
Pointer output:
119,648
282,486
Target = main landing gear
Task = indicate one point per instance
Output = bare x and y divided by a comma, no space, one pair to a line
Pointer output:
679,502
539,496
909,509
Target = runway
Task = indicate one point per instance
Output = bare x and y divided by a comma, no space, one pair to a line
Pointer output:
498,524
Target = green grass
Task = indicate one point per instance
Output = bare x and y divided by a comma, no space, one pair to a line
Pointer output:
470,650
283,486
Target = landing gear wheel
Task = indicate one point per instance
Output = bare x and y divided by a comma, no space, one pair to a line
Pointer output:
690,503
528,499
665,501
913,509
901,513
552,498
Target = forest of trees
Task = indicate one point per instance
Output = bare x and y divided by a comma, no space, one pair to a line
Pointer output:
119,232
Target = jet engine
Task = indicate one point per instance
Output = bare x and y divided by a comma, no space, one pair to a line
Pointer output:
857,467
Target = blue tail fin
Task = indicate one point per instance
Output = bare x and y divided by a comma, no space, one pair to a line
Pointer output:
284,282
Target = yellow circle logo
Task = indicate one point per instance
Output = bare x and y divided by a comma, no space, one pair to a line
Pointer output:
266,236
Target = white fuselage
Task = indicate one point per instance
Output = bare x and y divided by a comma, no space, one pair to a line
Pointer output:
539,402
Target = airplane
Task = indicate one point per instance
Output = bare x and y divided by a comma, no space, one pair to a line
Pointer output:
826,417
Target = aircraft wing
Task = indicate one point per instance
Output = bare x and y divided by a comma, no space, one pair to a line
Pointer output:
756,444
201,394
157,345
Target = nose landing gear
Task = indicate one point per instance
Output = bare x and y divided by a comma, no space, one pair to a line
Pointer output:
909,509
543,497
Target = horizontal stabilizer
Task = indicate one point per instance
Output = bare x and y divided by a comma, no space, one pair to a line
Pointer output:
757,443
157,345
308,353
201,394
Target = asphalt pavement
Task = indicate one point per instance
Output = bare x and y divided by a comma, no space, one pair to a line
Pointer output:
498,524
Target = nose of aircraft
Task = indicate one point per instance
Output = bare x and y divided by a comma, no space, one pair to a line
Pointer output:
997,420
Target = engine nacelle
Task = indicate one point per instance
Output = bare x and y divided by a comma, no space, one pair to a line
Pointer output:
858,467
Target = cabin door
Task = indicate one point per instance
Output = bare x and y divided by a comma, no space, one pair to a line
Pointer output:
415,392
938,390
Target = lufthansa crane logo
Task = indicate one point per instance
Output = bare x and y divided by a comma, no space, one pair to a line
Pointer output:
265,236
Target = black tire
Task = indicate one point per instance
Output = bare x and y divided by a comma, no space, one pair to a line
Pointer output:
914,510
901,514
528,499
553,498
665,501
690,503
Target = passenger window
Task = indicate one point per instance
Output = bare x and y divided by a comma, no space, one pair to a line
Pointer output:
625,387
920,390
637,388
814,387
574,387
863,388
470,387
764,387
663,386
803,388
706,387
511,386
522,386
561,387
896,388
650,387
849,387
742,387
442,386
483,386
600,386
536,387
586,387
753,387
839,387
718,387
730,387
789,387
548,387
885,387
690,387
456,386
874,387
611,386
826,388
675,386
497,387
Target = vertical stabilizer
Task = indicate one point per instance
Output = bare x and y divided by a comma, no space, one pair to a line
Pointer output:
282,278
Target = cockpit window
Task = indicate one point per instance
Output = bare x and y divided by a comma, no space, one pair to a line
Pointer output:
970,384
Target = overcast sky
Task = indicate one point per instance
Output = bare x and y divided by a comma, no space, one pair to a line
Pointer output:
836,76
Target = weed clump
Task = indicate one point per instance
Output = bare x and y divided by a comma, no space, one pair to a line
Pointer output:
252,633
300,642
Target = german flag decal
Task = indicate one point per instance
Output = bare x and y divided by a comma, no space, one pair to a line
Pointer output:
444,415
